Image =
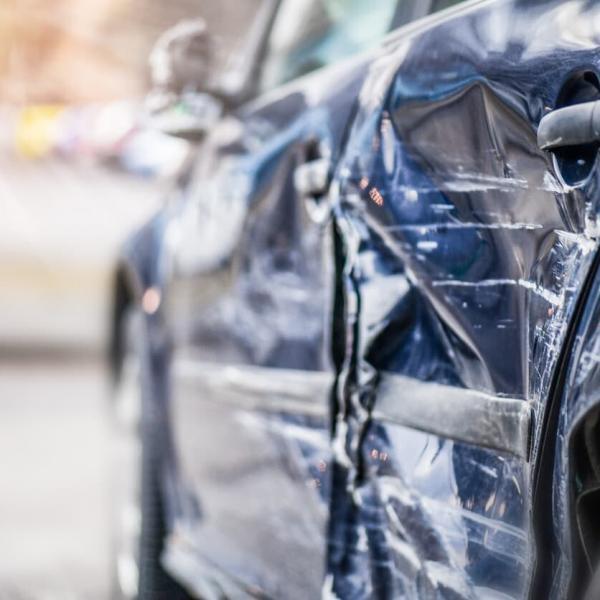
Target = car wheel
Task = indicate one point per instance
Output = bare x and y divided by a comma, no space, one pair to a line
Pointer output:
585,453
138,511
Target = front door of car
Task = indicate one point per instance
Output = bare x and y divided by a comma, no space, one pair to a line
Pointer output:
249,307
467,249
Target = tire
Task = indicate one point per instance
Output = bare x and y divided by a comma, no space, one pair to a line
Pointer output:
585,456
139,528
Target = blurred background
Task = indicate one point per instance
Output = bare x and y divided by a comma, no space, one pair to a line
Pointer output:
78,172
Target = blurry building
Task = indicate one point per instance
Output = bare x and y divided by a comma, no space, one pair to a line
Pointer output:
72,51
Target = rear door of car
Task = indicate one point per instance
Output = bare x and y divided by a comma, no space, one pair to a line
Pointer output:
466,248
250,303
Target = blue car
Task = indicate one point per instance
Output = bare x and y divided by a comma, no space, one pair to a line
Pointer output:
356,354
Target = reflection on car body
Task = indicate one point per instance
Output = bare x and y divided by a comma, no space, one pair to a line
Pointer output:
375,290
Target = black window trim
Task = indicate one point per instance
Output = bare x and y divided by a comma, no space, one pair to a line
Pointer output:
406,12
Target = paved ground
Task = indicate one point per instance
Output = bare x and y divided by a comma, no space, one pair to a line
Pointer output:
61,229
54,480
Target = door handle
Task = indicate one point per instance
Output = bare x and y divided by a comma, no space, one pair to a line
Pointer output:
312,178
575,125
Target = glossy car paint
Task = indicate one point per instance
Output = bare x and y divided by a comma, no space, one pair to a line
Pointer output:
247,304
466,255
452,268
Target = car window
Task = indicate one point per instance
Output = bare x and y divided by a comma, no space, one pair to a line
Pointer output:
438,5
309,34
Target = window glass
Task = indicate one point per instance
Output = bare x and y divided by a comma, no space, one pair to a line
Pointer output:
309,34
438,5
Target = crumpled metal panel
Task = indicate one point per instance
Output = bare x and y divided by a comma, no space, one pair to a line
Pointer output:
432,517
465,257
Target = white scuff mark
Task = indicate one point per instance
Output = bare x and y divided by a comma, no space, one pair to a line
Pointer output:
551,184
427,246
462,187
466,183
411,195
442,207
546,294
585,244
425,227
482,283
515,481
388,138
412,278
553,143
493,473
339,445
381,296
491,179
362,544
327,592
550,297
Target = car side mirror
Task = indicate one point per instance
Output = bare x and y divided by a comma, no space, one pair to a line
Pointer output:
183,101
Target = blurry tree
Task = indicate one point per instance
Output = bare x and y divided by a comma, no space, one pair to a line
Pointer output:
67,51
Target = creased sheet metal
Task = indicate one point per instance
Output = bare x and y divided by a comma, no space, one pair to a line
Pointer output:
465,258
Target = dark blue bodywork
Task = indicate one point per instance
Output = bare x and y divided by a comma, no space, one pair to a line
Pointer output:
457,264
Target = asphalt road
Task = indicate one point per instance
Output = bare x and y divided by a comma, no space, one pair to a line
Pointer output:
61,229
54,480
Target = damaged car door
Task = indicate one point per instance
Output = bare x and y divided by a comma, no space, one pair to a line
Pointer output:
249,307
467,245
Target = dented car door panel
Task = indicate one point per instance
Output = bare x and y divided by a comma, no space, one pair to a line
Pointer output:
466,253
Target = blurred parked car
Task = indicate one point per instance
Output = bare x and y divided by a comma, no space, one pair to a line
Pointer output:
112,134
357,352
